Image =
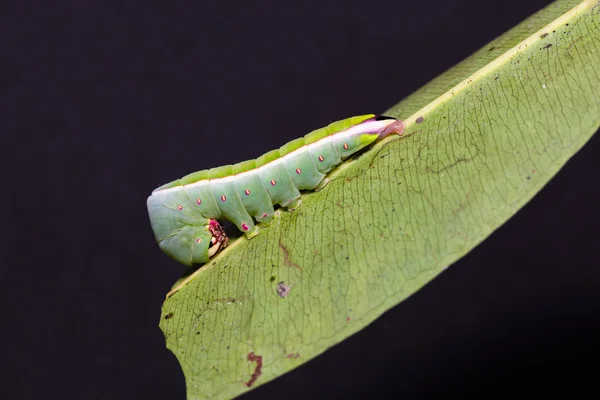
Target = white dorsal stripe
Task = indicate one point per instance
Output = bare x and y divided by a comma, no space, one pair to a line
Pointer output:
364,127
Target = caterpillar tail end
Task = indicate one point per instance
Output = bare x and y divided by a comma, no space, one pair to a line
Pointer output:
396,126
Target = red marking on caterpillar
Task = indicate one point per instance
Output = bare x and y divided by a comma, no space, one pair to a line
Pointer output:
180,207
321,158
223,198
298,171
345,146
199,240
273,182
218,235
247,191
198,201
245,227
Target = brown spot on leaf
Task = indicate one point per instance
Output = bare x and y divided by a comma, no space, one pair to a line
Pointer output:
169,315
286,257
574,42
462,205
257,371
420,120
543,35
229,299
292,355
282,289
548,46
449,166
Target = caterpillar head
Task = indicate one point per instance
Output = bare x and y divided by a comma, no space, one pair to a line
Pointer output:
366,132
180,231
218,240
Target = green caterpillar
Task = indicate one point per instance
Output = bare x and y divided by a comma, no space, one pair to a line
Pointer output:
183,213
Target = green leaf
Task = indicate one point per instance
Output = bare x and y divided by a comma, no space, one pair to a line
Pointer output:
481,140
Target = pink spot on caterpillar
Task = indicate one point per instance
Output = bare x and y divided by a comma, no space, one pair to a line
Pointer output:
345,146
298,171
264,215
245,227
273,182
199,240
198,201
247,191
223,198
180,207
321,158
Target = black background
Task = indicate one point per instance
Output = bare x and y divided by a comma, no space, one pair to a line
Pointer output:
104,102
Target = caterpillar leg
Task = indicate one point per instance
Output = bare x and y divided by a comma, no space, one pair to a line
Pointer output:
219,239
214,249
265,218
250,234
292,205
321,185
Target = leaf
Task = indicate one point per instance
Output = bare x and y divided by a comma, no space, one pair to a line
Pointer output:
481,140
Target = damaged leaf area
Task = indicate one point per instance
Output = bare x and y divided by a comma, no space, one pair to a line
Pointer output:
481,140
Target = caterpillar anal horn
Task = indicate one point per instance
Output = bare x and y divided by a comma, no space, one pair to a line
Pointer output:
395,127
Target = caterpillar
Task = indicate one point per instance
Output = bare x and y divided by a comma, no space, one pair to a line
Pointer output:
184,213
